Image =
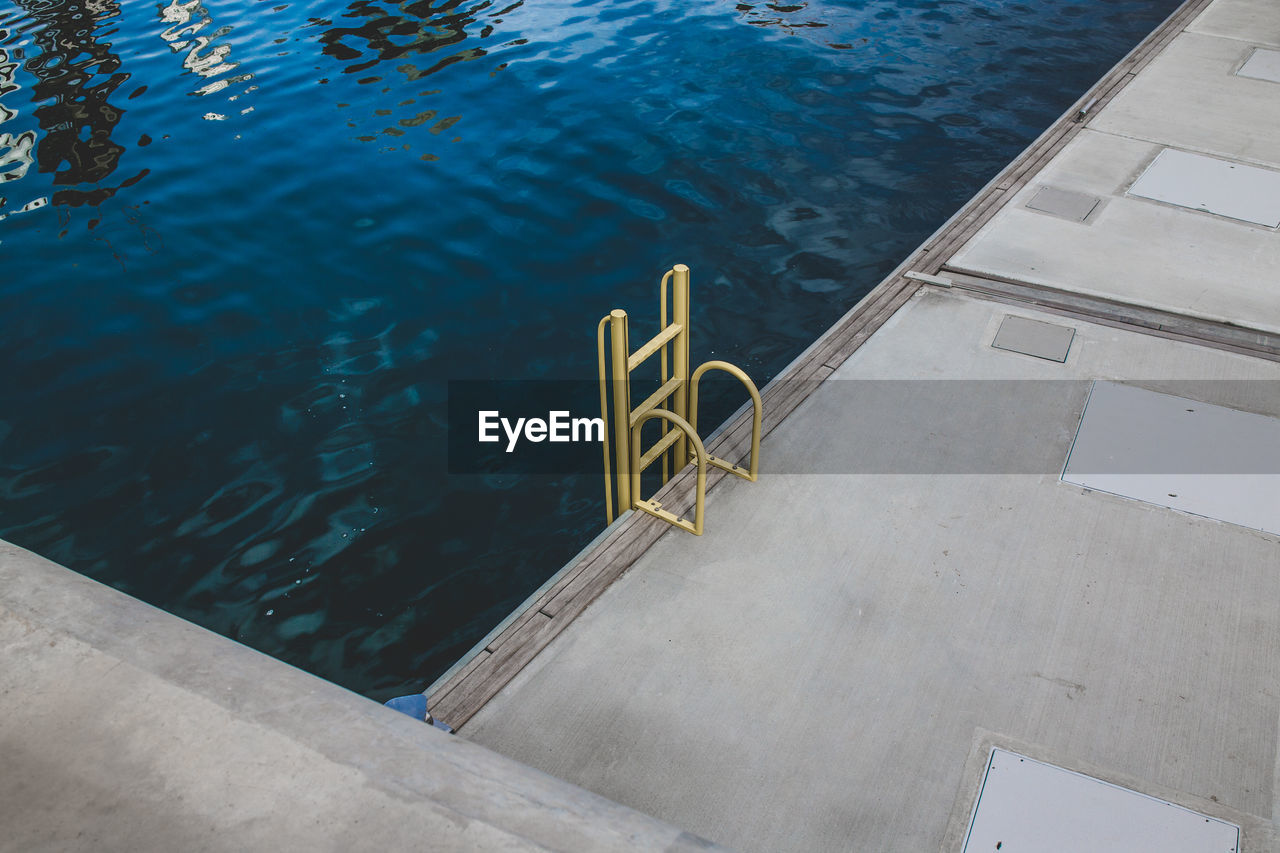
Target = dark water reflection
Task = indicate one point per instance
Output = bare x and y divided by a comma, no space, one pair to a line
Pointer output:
75,76
245,246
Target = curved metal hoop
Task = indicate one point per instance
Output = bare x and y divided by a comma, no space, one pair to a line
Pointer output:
652,506
756,419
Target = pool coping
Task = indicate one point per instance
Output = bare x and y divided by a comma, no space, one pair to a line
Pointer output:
483,672
125,727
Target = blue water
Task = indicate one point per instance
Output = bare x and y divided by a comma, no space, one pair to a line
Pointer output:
246,244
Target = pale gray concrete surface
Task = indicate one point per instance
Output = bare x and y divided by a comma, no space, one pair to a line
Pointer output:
1144,252
814,672
1252,21
1190,98
125,728
1139,251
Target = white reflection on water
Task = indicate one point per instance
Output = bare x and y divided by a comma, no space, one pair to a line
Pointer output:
203,57
15,152
8,71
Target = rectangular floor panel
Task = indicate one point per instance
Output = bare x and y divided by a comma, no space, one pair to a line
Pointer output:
1180,453
1262,64
1032,337
1026,805
1195,181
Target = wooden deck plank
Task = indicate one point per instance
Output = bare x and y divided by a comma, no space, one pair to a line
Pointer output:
863,334
588,585
493,672
603,550
443,702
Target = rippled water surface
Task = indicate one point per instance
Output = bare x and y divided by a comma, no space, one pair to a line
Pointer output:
244,245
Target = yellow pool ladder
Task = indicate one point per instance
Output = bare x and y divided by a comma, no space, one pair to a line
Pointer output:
675,403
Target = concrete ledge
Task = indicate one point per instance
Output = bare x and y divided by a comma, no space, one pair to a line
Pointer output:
124,727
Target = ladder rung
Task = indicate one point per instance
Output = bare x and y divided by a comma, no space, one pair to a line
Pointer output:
655,398
658,449
653,346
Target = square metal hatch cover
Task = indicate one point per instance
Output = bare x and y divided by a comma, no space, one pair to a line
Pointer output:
1033,337
1065,203
1027,806
1197,182
1262,64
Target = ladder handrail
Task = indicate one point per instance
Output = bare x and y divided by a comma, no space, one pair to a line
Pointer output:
604,416
757,416
652,506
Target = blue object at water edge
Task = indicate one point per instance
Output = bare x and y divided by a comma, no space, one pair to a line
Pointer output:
415,706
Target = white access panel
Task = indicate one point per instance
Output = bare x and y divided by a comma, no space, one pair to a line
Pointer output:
1180,453
1026,806
1194,181
1262,64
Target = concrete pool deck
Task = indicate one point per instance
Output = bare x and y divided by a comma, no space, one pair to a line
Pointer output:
123,727
1134,250
817,670
829,665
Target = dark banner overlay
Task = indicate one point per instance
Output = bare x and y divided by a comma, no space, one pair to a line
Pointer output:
849,427
493,427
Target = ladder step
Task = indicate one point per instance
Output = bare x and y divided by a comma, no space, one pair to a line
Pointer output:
661,447
653,346
669,387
